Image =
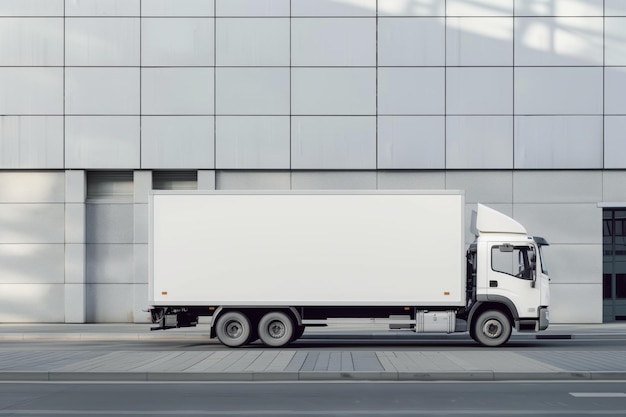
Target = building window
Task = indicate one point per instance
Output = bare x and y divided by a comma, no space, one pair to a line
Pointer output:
175,180
614,264
111,186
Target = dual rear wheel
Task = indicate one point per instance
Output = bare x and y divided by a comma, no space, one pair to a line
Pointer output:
274,329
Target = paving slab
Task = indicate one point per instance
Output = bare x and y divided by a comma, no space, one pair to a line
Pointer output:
291,364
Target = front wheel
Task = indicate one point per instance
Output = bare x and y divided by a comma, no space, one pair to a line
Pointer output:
492,328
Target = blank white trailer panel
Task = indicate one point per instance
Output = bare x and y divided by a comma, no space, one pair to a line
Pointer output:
305,249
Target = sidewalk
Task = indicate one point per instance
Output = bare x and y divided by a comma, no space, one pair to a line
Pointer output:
297,363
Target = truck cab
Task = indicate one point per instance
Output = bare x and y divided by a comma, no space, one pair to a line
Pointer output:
510,280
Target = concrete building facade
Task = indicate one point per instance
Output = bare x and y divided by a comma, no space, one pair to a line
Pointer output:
521,103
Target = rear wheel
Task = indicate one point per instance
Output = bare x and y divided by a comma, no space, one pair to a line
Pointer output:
233,329
276,329
492,328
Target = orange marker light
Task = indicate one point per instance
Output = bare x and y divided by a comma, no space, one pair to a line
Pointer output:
446,293
163,292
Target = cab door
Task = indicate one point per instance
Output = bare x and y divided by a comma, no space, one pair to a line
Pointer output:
512,274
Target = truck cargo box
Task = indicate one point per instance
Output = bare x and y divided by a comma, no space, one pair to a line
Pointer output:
216,248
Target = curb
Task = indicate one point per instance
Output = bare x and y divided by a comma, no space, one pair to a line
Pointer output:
490,376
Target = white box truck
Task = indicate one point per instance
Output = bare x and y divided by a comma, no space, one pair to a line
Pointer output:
265,265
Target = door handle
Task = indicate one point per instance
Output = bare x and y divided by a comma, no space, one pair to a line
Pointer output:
493,284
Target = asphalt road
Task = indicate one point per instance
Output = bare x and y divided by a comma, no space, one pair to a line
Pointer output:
314,399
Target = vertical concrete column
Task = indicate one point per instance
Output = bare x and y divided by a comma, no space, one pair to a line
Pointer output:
75,249
206,180
142,186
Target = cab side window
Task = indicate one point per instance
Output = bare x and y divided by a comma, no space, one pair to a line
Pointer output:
518,261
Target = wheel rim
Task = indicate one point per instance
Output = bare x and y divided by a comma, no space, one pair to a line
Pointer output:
492,328
276,329
234,329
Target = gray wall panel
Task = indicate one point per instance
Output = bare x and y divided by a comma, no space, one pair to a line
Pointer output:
479,91
94,142
574,264
102,42
253,42
177,42
480,8
109,223
483,142
101,91
614,186
411,142
576,303
107,8
32,264
75,261
558,142
615,142
397,46
562,223
333,8
32,303
333,180
411,180
615,8
550,90
251,180
31,91
615,33
333,42
167,8
333,91
31,187
411,91
482,186
557,186
175,142
177,91
579,41
32,223
31,7
252,91
320,142
31,42
253,7
31,142
253,142
559,7
407,8
109,303
141,270
74,223
614,97
472,41
109,263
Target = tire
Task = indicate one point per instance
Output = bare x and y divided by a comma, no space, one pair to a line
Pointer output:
492,328
233,329
276,329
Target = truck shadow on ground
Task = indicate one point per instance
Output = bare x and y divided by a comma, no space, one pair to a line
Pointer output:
444,345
